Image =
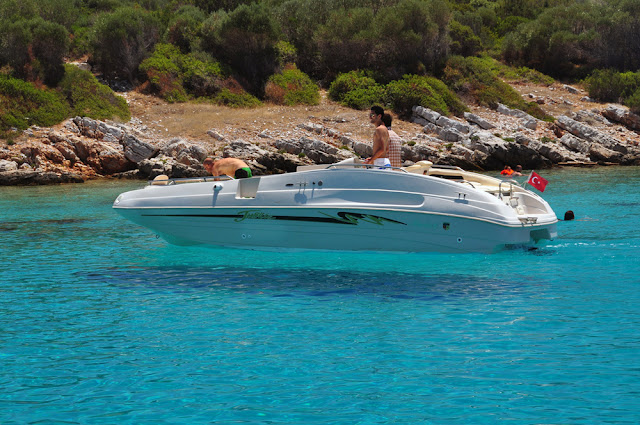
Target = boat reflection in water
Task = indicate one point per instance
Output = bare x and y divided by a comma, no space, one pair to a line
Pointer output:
345,206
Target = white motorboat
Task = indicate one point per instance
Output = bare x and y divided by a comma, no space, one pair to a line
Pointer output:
345,206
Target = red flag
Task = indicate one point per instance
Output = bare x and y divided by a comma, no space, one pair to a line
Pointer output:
537,181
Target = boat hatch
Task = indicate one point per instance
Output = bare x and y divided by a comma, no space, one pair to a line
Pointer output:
248,188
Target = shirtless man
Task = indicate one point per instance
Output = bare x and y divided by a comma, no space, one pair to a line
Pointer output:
380,155
227,166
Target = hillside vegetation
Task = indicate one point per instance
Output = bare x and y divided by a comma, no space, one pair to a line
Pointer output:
438,53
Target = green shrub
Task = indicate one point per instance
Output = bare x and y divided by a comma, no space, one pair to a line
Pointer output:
453,102
363,98
23,105
34,48
475,77
89,98
50,44
244,39
463,41
175,76
233,99
286,53
292,87
403,95
164,74
633,102
347,82
121,40
608,85
184,26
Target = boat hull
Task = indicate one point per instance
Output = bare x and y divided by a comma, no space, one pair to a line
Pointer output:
341,209
348,229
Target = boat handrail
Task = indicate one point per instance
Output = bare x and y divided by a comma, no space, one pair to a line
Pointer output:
368,166
446,167
510,188
173,181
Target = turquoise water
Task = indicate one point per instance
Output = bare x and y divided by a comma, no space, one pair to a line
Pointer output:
102,323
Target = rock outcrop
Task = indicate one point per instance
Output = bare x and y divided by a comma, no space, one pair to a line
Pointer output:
84,148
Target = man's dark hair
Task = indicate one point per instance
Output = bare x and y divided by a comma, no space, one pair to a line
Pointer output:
377,110
386,120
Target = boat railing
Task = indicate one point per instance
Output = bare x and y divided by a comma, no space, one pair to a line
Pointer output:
166,181
367,166
446,167
510,182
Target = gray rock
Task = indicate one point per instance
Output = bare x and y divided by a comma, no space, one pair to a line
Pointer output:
599,153
570,89
452,124
347,141
530,123
316,150
623,116
216,135
574,143
480,122
31,177
364,150
6,165
178,148
419,120
153,167
556,152
589,118
590,134
449,134
136,150
428,114
243,150
311,127
512,112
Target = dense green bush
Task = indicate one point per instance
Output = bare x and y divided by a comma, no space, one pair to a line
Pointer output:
402,95
164,73
23,105
244,39
49,46
34,49
475,78
633,102
292,87
175,76
122,40
463,40
409,36
363,98
356,89
236,99
607,85
89,98
349,81
183,30
571,39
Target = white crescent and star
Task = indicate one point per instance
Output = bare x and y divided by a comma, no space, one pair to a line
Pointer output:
534,180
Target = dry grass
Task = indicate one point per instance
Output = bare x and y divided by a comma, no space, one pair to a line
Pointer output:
193,120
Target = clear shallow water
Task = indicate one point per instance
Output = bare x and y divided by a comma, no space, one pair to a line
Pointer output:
102,323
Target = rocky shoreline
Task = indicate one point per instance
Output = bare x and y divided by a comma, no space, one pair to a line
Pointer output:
82,148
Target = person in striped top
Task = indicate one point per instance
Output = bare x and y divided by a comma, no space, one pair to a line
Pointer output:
395,143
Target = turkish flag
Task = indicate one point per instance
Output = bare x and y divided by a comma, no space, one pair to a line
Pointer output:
537,181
